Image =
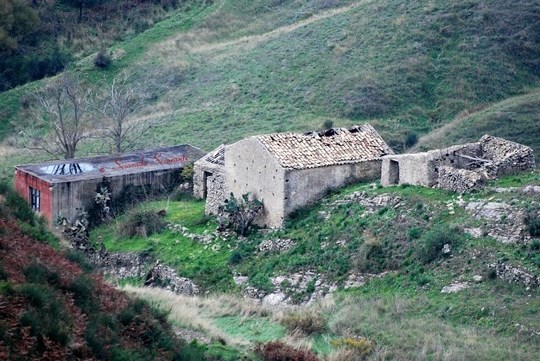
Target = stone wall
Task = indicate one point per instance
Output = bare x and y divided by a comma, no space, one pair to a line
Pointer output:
460,180
250,168
458,168
305,186
506,157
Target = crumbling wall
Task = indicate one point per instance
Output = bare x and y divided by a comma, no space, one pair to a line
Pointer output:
460,180
506,157
216,192
458,168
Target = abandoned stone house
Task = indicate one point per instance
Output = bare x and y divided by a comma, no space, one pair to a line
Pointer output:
458,168
61,188
287,171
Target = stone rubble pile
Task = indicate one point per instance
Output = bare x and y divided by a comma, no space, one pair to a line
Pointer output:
165,277
504,222
506,157
277,245
460,180
513,274
372,203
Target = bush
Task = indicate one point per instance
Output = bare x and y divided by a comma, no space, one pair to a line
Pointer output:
142,224
411,139
278,351
356,348
39,273
102,60
238,214
308,322
261,282
532,221
430,245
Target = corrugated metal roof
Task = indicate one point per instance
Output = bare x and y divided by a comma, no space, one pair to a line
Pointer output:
70,170
331,147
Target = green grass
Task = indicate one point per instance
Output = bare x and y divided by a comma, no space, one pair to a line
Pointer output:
515,118
407,66
256,330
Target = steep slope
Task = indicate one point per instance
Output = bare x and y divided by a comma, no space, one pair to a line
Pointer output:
53,308
516,118
246,67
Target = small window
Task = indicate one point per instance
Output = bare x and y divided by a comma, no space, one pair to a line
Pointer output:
34,199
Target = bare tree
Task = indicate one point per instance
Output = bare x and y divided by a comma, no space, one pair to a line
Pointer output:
62,112
118,104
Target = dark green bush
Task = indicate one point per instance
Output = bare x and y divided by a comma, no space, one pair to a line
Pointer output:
533,223
82,288
429,246
37,272
143,224
19,207
102,60
262,282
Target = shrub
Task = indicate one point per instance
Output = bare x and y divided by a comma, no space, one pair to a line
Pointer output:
19,207
532,221
413,233
39,273
142,224
238,214
308,322
430,245
357,347
328,123
411,139
278,351
102,60
261,282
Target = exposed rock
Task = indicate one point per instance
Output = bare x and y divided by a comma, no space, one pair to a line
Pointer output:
372,203
513,274
474,232
274,299
446,249
120,265
240,280
166,277
477,278
279,245
455,287
504,222
531,189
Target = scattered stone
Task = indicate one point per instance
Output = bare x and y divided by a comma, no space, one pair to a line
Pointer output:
446,249
166,277
191,335
240,280
474,232
514,274
532,189
504,190
455,287
278,245
477,278
505,223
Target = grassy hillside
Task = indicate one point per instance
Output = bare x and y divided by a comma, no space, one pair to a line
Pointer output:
516,118
400,309
245,67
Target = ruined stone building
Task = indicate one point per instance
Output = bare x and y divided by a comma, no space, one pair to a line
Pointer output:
287,171
62,187
458,168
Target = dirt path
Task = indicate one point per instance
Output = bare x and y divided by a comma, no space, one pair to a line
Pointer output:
256,39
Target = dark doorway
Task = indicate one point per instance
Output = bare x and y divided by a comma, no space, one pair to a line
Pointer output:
206,175
394,172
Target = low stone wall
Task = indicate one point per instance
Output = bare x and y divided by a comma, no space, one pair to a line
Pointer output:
513,274
460,180
506,157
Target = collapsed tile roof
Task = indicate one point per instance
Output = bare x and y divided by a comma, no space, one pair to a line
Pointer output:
331,147
217,156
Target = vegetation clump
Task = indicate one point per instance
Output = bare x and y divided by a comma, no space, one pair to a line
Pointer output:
239,214
432,244
278,351
308,322
142,223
